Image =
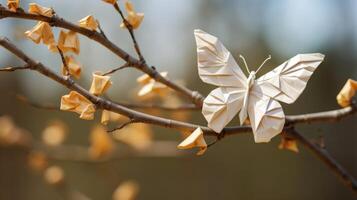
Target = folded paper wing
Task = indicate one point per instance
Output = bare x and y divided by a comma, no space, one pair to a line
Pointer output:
266,116
216,65
221,105
287,81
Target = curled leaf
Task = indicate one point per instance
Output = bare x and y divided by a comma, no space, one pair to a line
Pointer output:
133,18
13,4
101,143
288,144
42,31
100,84
40,10
196,139
150,85
88,22
73,66
108,116
75,102
68,41
347,92
110,1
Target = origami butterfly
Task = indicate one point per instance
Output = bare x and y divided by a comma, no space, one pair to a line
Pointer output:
256,98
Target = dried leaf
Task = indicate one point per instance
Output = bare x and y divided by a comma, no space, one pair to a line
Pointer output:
37,161
100,84
40,10
150,85
68,41
101,143
288,144
138,136
126,191
196,139
42,31
108,116
133,18
55,133
88,22
54,175
347,92
13,4
74,67
75,102
110,1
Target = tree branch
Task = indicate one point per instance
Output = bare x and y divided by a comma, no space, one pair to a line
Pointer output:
328,160
194,96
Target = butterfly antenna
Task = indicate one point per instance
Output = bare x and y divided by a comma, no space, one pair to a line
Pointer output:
268,58
245,63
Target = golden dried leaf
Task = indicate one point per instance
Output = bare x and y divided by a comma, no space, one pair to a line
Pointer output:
288,144
74,67
138,136
68,41
75,102
126,191
110,1
108,116
13,4
40,10
54,175
55,133
88,22
196,139
133,17
101,144
100,84
150,85
42,31
37,161
347,92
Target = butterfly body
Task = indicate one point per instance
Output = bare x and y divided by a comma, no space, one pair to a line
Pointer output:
251,97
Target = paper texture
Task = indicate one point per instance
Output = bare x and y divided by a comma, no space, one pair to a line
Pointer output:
257,99
196,139
89,23
75,102
68,41
73,66
100,84
13,4
347,92
40,10
133,17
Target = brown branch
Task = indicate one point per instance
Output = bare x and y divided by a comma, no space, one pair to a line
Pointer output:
11,69
126,65
131,32
131,121
194,96
328,160
185,107
63,59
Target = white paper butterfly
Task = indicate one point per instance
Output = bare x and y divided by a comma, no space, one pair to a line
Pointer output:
256,98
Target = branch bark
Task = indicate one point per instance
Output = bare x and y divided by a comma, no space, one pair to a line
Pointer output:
194,96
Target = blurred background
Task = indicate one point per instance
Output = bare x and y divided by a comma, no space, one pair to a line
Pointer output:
234,168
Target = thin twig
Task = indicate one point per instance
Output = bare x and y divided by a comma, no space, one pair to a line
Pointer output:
328,160
11,69
64,61
131,121
56,21
185,107
131,32
101,30
116,69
